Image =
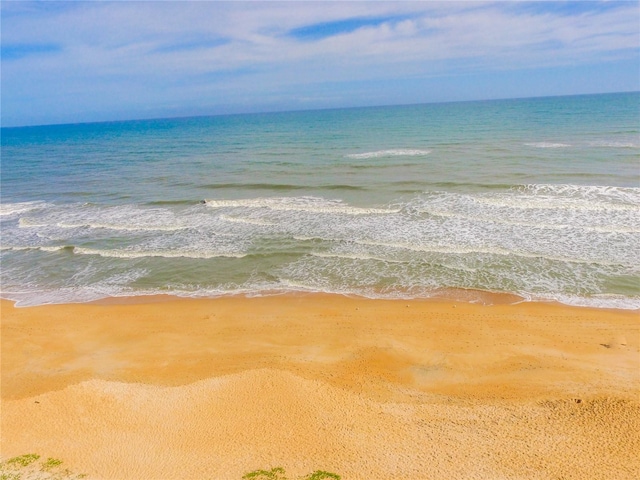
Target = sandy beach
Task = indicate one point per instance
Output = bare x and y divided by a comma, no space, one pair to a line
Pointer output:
165,388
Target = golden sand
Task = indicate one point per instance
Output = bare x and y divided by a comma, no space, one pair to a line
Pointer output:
367,389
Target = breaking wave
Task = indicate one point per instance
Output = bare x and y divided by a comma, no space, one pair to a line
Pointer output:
389,153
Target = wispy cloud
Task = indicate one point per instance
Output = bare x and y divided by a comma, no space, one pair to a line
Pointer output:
16,51
195,44
180,57
322,30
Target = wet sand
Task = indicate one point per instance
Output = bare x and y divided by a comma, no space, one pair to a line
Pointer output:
367,389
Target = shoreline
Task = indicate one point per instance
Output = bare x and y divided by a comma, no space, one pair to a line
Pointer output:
442,295
170,387
479,297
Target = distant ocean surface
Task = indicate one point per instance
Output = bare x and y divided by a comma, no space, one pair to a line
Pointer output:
535,197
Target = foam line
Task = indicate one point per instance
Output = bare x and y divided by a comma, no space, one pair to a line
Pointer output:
482,251
547,145
248,221
30,223
299,204
389,153
7,209
154,253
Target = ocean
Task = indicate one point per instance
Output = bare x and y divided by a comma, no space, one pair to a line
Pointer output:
537,198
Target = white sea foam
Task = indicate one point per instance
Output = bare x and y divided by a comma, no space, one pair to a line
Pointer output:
34,297
563,208
584,223
7,209
555,203
29,223
248,221
457,250
621,194
389,153
125,218
299,204
155,253
17,249
498,218
493,251
25,248
52,249
353,256
594,301
547,145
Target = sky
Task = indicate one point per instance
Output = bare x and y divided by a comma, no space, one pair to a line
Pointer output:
84,61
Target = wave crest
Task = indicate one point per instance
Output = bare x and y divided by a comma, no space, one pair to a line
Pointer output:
547,145
7,209
299,204
389,153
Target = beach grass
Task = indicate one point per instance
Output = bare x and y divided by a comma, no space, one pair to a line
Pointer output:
278,473
28,467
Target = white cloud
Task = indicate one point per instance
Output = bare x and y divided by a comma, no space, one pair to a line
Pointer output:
246,47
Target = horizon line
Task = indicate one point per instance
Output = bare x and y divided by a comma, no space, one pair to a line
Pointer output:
267,112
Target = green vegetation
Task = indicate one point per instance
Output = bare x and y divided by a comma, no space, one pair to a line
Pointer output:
273,474
51,463
23,460
322,475
278,474
10,476
24,467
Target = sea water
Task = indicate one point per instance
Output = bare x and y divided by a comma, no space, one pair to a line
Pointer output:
534,197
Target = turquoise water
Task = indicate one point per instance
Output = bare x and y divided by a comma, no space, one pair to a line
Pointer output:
535,197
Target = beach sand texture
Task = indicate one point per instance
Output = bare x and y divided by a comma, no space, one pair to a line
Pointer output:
367,389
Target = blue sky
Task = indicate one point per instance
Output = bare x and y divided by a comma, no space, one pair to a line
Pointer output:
68,62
